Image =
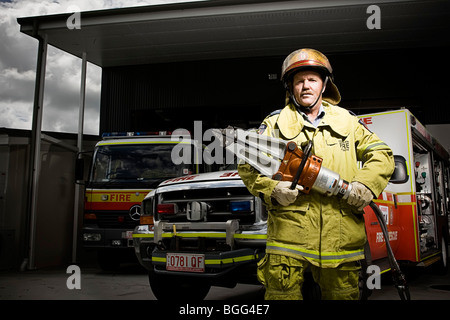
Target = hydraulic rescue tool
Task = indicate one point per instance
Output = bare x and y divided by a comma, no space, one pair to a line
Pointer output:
285,161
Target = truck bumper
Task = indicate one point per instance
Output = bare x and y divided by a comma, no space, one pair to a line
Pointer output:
94,237
232,245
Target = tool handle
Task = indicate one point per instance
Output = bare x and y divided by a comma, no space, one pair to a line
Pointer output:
306,154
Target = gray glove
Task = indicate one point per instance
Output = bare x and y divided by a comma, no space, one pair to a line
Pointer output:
283,194
360,196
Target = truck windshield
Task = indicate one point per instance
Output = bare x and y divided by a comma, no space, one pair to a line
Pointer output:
135,163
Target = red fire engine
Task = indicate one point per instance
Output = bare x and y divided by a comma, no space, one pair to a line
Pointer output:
125,167
415,211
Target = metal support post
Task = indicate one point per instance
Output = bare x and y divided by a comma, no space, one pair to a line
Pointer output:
35,162
78,187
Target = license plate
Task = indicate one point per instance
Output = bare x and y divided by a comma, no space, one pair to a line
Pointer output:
190,262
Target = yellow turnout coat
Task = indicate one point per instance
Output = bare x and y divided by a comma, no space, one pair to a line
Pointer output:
323,230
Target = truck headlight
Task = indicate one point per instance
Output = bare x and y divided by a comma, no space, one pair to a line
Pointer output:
92,236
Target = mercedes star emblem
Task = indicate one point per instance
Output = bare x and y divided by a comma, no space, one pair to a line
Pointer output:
135,212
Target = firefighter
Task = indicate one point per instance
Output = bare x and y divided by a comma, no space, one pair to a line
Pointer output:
325,234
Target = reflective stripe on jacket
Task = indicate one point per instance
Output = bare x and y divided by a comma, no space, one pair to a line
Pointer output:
323,230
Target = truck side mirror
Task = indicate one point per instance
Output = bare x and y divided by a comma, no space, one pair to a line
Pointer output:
400,174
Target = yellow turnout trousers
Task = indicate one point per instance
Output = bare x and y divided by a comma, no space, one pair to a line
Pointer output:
283,278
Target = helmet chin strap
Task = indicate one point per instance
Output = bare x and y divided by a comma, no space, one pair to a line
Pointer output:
307,108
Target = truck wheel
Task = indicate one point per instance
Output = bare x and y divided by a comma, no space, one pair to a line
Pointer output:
174,288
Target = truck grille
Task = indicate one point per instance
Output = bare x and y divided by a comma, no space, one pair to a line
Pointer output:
118,220
218,201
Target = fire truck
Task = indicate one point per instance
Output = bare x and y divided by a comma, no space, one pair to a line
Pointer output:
415,211
125,168
207,229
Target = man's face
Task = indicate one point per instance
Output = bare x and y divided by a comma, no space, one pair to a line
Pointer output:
307,87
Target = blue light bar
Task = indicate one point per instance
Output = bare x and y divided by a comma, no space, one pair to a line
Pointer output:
240,206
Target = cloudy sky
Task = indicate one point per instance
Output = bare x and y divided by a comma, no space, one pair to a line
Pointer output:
18,56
